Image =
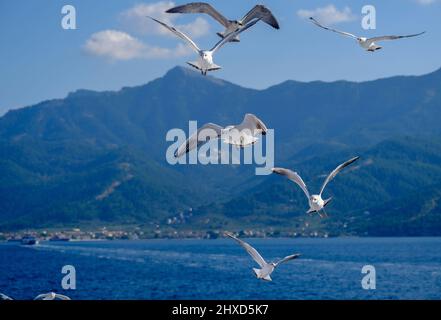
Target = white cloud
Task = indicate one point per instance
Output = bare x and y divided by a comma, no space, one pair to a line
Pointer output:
198,28
426,2
328,15
136,19
117,45
120,45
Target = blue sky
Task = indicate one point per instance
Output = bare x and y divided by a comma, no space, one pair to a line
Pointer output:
114,46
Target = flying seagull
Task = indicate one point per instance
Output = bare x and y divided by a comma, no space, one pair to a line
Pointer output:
205,62
51,296
258,12
4,297
266,268
316,203
369,44
241,135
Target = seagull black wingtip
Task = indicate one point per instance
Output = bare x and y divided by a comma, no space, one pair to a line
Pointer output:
172,10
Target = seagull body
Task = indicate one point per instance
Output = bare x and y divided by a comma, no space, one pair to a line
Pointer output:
316,202
369,44
51,296
205,62
257,12
241,135
266,269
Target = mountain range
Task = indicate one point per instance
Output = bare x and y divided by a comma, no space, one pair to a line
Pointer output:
99,157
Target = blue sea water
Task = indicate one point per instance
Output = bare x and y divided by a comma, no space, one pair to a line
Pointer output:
406,268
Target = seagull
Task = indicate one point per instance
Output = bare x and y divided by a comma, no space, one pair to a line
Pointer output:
205,62
4,297
241,135
51,296
266,268
257,12
316,203
369,44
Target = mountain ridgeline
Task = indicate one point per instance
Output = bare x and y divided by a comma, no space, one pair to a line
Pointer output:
99,157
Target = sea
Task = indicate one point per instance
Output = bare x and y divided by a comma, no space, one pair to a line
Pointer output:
329,269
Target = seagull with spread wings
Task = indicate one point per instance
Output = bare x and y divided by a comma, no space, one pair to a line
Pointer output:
369,44
257,12
266,269
316,202
205,62
241,135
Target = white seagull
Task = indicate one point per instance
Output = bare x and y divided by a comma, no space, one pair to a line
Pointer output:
205,62
258,12
316,203
266,268
241,135
51,296
369,44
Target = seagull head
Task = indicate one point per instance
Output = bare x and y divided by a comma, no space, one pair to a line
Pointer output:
207,55
315,199
362,39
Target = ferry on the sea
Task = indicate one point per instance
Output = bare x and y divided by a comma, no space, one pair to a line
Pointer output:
29,241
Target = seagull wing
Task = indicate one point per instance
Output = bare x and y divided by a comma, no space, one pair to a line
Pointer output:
252,252
293,176
44,296
61,297
254,124
336,171
288,258
261,12
383,38
347,34
4,297
201,7
180,34
210,130
232,35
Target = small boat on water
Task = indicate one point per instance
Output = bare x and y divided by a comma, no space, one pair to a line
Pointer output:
29,241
